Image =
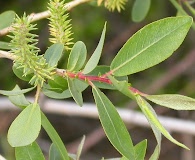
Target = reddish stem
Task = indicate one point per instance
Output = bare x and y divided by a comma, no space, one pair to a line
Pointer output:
90,79
81,76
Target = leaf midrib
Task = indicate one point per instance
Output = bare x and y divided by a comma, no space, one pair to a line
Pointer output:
120,66
110,120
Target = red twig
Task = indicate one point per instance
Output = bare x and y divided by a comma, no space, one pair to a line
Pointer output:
90,79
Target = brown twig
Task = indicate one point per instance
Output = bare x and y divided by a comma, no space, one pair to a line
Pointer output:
45,14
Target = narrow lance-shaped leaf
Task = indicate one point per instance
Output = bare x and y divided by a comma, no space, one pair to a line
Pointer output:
54,136
153,119
113,125
173,101
76,94
151,45
6,19
77,56
140,10
155,129
26,127
15,93
94,59
140,150
53,54
80,147
32,151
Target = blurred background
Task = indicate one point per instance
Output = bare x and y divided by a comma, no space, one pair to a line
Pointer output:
175,75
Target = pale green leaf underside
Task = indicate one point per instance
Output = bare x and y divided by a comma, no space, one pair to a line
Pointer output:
156,131
140,10
146,109
54,153
19,100
173,101
94,59
76,94
113,125
30,152
80,147
26,127
15,92
151,45
77,56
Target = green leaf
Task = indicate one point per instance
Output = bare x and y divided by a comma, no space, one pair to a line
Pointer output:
146,109
4,45
53,54
6,19
30,152
173,101
26,127
54,153
20,74
140,10
52,94
58,82
123,87
80,148
77,56
113,125
94,59
76,94
15,93
19,100
140,150
157,133
151,45
54,136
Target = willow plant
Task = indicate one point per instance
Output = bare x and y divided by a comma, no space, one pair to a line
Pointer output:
148,47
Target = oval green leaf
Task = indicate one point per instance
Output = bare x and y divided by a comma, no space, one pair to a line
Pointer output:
152,118
77,56
6,19
94,59
58,82
53,54
140,10
26,127
151,45
113,125
20,74
31,152
56,95
173,101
